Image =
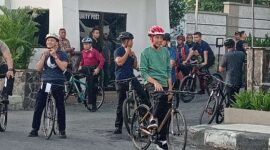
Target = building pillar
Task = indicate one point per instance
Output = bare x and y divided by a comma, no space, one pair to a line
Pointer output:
65,14
162,13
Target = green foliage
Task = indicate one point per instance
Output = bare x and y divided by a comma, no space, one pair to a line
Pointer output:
17,30
217,5
243,100
255,101
259,42
177,11
206,5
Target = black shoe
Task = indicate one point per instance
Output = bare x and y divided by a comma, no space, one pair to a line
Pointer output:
62,134
33,133
117,131
162,145
94,108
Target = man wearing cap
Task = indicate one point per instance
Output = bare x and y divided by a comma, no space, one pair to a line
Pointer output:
53,62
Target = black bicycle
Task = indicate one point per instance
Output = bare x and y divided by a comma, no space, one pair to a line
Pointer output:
218,100
189,83
142,137
50,114
3,116
131,102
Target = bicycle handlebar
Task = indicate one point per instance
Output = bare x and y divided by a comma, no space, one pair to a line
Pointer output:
173,92
225,83
126,80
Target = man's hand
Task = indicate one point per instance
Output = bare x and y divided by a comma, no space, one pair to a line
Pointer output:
170,96
10,74
128,50
158,87
184,62
204,64
46,52
53,53
96,71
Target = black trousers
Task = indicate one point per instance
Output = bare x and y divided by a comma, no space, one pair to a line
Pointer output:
231,91
58,95
92,83
160,109
8,88
121,89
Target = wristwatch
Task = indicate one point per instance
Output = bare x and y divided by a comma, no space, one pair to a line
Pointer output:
10,69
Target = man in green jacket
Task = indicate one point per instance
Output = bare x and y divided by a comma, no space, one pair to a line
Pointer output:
155,68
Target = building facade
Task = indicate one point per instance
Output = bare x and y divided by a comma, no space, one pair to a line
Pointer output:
80,16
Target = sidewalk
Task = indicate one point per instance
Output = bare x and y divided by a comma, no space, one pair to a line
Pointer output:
231,136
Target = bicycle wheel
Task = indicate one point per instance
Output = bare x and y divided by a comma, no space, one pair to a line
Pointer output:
49,117
128,110
100,98
3,117
177,136
209,111
212,82
68,90
140,139
188,84
220,111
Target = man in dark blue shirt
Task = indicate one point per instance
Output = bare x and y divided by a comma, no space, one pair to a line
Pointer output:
52,63
125,62
203,50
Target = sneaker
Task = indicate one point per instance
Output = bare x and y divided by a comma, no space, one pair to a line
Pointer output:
153,124
33,133
117,131
62,134
94,108
162,145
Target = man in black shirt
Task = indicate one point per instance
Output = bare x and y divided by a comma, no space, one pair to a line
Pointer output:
232,63
242,44
95,34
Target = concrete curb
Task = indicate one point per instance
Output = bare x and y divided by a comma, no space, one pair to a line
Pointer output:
213,138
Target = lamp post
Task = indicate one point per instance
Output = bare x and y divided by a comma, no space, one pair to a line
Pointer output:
252,46
196,15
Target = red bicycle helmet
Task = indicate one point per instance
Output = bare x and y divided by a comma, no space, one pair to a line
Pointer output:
156,30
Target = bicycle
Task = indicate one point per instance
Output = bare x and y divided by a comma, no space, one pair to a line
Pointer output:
3,116
82,95
50,113
189,82
130,103
216,103
143,137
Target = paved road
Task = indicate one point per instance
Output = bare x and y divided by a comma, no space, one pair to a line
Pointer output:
85,130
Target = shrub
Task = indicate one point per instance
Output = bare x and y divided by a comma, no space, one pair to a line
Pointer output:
253,100
17,30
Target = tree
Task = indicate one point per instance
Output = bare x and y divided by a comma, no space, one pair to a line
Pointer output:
17,30
177,11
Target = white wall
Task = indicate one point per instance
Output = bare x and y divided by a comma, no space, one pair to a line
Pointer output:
141,14
15,4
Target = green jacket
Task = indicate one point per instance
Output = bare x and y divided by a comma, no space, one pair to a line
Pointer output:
156,64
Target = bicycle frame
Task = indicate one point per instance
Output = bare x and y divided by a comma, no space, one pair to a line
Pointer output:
73,82
168,115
